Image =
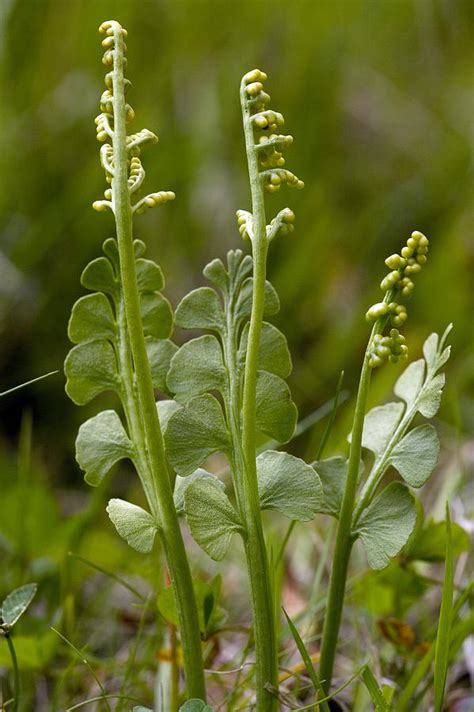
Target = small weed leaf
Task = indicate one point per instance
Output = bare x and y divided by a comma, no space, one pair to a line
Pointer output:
379,425
429,542
149,276
386,524
182,483
91,319
274,355
201,309
101,442
99,276
194,432
134,524
157,315
15,604
288,485
276,413
332,474
195,706
91,369
207,594
416,455
160,352
211,518
196,368
409,384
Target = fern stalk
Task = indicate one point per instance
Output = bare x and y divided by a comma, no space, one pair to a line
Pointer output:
162,502
255,548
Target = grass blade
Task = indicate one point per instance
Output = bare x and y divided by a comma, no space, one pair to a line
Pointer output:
374,690
445,619
313,675
27,383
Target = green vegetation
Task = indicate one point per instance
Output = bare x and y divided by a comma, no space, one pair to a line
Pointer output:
203,438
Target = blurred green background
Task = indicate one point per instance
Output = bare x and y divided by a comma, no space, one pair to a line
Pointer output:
378,95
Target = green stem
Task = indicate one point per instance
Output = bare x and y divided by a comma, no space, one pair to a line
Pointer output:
257,560
16,672
344,538
163,496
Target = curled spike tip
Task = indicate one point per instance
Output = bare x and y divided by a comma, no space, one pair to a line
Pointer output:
116,85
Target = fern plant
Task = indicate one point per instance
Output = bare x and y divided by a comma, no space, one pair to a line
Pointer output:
225,392
121,332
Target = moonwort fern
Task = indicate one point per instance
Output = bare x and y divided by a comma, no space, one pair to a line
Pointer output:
121,332
383,520
244,360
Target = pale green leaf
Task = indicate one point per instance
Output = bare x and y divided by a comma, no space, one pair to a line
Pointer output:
16,603
430,398
181,484
166,408
149,276
380,424
239,267
243,307
200,309
91,319
194,432
160,352
416,455
196,368
410,382
99,276
211,518
90,368
134,524
333,474
274,355
385,526
276,412
288,485
157,316
430,351
216,273
101,442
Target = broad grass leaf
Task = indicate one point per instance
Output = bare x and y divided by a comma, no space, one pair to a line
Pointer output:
16,603
288,485
380,424
374,690
196,368
410,382
430,398
276,412
443,637
416,455
274,355
90,368
149,276
99,276
333,474
201,309
385,526
181,483
194,432
160,352
211,518
134,524
243,307
100,443
91,319
157,315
